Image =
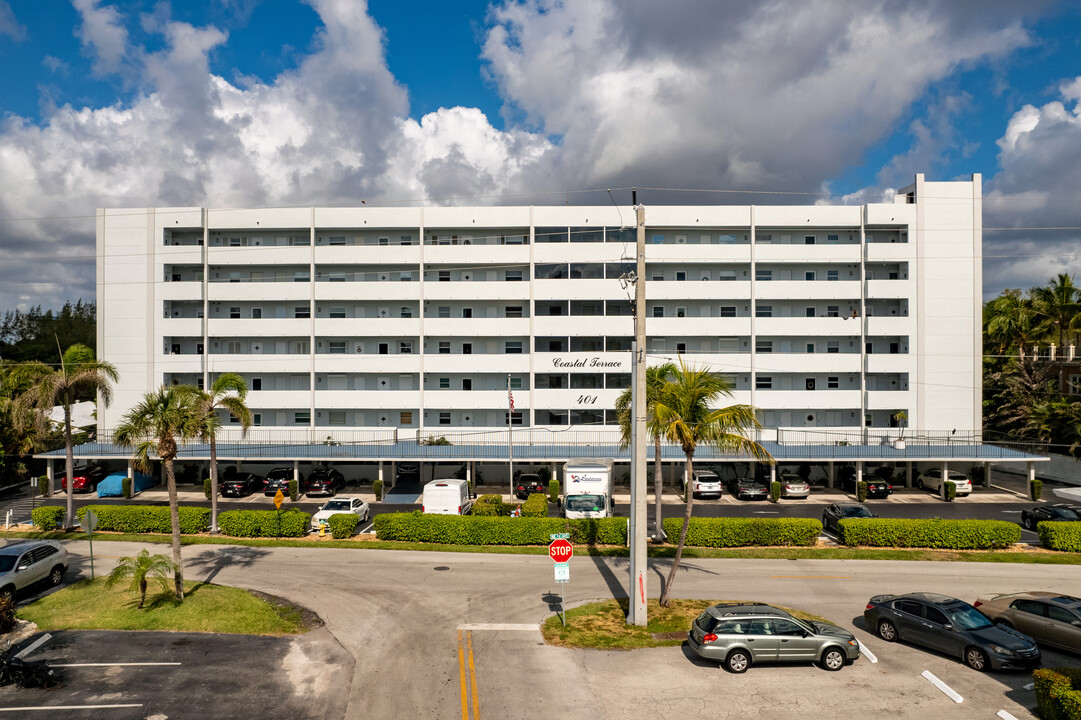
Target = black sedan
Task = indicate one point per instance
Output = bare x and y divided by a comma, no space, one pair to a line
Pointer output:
1054,513
278,479
237,483
843,511
746,489
323,480
953,627
527,484
876,486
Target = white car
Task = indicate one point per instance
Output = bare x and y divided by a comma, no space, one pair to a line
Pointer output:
340,505
706,484
932,480
793,486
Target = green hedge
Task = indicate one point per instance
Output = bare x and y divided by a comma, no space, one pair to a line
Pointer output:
1035,490
861,491
745,532
342,525
1060,535
147,518
536,505
1058,693
553,491
775,491
43,486
936,533
264,523
491,506
377,488
48,517
472,530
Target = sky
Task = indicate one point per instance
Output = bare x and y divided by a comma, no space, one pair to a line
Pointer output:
250,103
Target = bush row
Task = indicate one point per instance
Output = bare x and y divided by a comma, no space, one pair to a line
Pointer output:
342,525
944,534
48,517
265,523
536,505
147,518
1058,693
491,506
472,530
1060,536
745,532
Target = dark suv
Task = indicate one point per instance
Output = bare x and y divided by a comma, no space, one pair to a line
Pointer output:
238,483
323,480
527,484
278,479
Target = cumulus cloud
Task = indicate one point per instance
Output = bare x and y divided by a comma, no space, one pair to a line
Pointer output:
9,25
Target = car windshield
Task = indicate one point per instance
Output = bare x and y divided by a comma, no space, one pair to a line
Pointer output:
585,503
7,562
967,617
959,477
337,505
1065,514
856,512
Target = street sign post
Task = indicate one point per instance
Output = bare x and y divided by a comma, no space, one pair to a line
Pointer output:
89,522
278,498
561,551
563,572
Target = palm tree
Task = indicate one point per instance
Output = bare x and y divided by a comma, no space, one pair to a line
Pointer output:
140,568
79,372
1009,320
227,392
684,415
159,423
656,377
1057,308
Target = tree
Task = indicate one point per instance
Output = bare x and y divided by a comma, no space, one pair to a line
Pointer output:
1056,308
227,392
1009,321
79,372
685,417
140,569
161,421
656,377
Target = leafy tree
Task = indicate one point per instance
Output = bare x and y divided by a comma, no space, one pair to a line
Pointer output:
1009,321
685,417
656,377
47,386
1056,307
142,568
33,334
227,392
159,423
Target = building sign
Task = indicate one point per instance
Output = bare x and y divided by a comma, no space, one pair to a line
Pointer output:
593,362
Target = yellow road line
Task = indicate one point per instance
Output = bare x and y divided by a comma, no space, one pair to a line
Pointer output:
473,676
461,676
815,577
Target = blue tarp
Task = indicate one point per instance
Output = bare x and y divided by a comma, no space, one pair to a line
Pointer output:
113,485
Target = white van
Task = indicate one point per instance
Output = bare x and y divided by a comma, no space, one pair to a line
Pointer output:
446,497
587,489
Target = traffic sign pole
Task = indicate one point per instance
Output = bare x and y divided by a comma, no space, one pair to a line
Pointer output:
561,551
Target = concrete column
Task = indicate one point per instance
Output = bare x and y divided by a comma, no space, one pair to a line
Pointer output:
942,484
829,475
130,470
1031,477
859,473
469,477
987,474
393,473
49,472
772,473
296,473
908,474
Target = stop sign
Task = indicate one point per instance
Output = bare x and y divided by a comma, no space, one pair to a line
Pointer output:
560,550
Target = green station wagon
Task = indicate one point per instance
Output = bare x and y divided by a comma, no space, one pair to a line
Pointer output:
740,635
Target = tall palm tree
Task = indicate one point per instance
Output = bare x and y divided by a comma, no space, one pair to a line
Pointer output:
227,392
1058,313
159,423
141,568
656,377
79,372
685,416
1009,320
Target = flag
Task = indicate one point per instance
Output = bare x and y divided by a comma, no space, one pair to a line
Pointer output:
510,397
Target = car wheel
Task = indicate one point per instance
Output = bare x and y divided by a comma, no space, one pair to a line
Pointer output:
887,630
833,659
7,593
56,576
919,483
976,659
737,661
1029,523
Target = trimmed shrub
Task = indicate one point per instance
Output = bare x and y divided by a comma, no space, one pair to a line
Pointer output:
377,488
147,518
1058,693
774,491
126,487
951,491
48,517
43,486
746,532
936,533
1035,490
491,506
553,491
264,523
861,491
294,490
536,505
206,487
472,530
1065,536
343,525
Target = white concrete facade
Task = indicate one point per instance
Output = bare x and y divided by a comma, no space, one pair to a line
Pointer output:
829,319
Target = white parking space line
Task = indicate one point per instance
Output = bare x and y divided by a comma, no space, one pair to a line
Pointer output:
71,707
1030,686
520,627
1005,715
946,689
111,664
370,526
900,500
34,646
867,651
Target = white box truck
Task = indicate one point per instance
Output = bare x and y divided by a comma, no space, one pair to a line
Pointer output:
446,497
587,489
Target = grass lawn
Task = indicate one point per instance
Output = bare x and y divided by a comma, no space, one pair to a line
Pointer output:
603,626
90,605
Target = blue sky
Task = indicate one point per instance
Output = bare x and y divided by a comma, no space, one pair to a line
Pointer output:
276,102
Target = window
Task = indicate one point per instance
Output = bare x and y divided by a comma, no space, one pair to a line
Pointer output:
301,276
513,347
336,347
723,275
808,239
256,418
833,382
763,346
234,313
763,382
810,383
444,347
302,311
810,348
658,277
869,348
658,311
895,348
833,310
809,311
467,384
761,310
234,242
407,240
300,347
443,311
467,348
681,275
681,348
657,239
444,383
256,313
302,417
444,418
809,275
444,276
256,383
681,312
336,417
833,346
935,615
1061,615
832,239
337,312
300,240
515,418
405,347
728,310
405,417
516,383
514,276
383,242
513,311
763,275
467,312
232,347
832,275
407,312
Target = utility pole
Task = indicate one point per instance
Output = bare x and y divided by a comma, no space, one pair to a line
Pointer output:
637,591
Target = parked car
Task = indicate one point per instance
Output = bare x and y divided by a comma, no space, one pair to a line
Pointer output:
278,479
746,489
739,635
836,512
239,483
876,486
1050,618
86,476
793,486
706,484
340,505
953,627
527,484
932,480
323,480
23,564
1030,517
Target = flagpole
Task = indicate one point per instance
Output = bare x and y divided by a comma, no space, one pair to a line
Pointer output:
510,441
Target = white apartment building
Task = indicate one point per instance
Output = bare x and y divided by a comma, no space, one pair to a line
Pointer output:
828,318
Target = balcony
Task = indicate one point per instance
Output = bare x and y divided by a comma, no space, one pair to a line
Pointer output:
815,399
593,362
180,327
259,291
459,255
808,326
675,327
578,252
179,291
891,252
891,288
476,327
367,327
180,254
887,325
697,290
799,253
261,328
381,254
178,364
713,253
471,399
476,363
890,399
807,290
582,325
388,291
276,399
367,399
475,290
575,398
367,363
895,363
259,255
810,363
